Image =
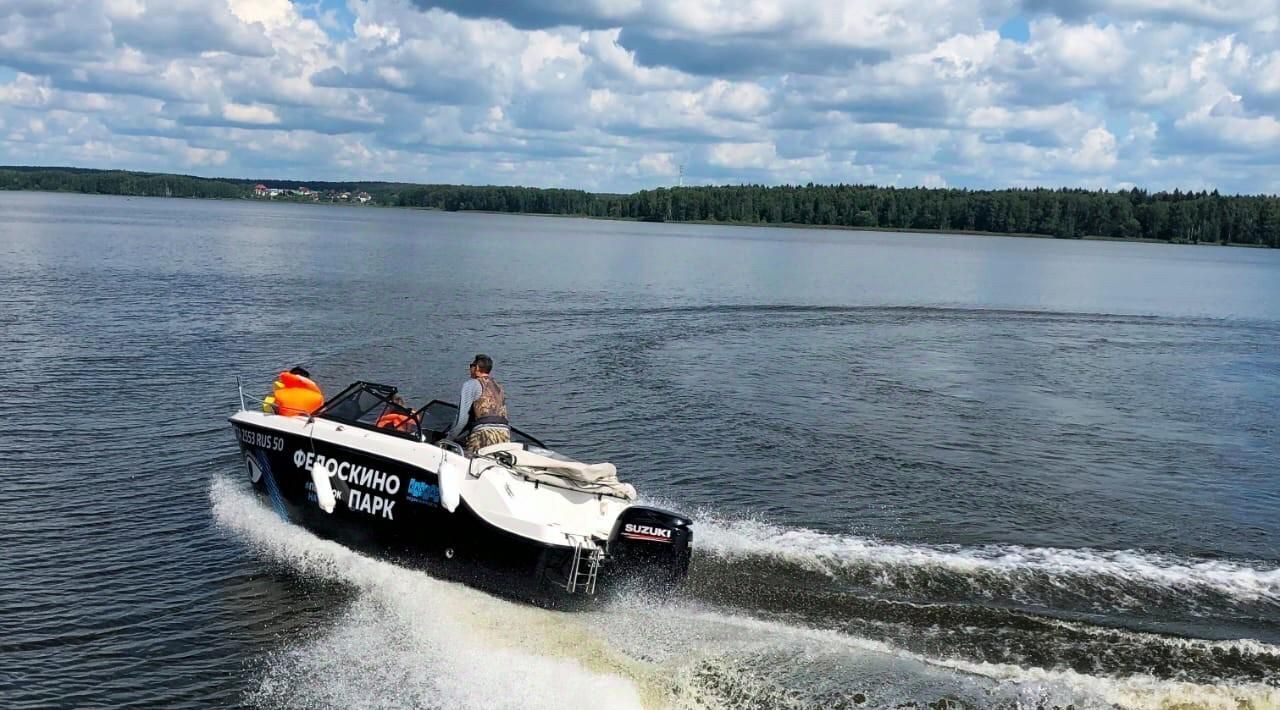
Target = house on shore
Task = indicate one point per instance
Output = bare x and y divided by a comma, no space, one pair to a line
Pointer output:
262,191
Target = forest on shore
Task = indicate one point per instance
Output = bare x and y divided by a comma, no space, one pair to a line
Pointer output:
1179,217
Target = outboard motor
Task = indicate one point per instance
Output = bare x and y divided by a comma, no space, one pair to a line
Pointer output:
651,545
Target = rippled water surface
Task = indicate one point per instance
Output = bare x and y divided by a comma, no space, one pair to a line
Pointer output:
993,472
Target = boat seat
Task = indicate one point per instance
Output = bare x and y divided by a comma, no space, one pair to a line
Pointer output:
594,477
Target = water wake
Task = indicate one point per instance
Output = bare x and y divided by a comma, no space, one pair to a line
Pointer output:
408,639
1122,579
987,684
414,640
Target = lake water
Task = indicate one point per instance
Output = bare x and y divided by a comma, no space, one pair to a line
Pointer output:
1000,472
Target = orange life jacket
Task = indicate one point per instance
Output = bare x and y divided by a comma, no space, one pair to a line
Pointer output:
296,395
395,420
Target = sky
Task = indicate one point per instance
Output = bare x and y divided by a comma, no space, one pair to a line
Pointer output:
622,95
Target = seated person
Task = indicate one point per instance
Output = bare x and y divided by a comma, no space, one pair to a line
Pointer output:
295,394
398,416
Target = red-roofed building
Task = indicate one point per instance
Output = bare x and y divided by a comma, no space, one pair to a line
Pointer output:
259,190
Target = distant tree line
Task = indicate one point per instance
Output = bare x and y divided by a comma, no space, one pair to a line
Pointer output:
125,182
1066,213
117,182
1131,214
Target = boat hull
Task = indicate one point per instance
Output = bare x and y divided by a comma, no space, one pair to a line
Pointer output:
392,509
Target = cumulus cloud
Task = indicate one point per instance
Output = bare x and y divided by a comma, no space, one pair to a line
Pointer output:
1096,152
241,113
185,27
1225,14
621,94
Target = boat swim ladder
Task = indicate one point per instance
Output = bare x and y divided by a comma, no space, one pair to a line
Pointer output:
585,567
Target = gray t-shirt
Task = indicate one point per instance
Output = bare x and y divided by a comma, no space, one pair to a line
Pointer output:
470,393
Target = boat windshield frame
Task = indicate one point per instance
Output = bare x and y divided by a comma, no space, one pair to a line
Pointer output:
354,405
372,397
517,435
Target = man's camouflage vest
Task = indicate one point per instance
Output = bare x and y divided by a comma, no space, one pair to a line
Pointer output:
491,406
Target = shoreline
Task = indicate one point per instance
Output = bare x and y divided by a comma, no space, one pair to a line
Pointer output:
715,223
843,228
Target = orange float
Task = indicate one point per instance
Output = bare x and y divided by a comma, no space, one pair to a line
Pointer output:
294,395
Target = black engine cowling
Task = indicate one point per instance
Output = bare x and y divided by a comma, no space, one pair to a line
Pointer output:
651,545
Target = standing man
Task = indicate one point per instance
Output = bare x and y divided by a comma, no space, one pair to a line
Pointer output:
482,409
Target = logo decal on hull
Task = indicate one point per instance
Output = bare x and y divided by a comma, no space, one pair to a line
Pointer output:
422,492
348,472
646,532
363,501
255,471
260,466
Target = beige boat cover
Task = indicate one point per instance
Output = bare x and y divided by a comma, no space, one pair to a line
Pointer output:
586,477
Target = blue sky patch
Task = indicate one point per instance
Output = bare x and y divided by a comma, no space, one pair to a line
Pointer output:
1016,28
333,15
